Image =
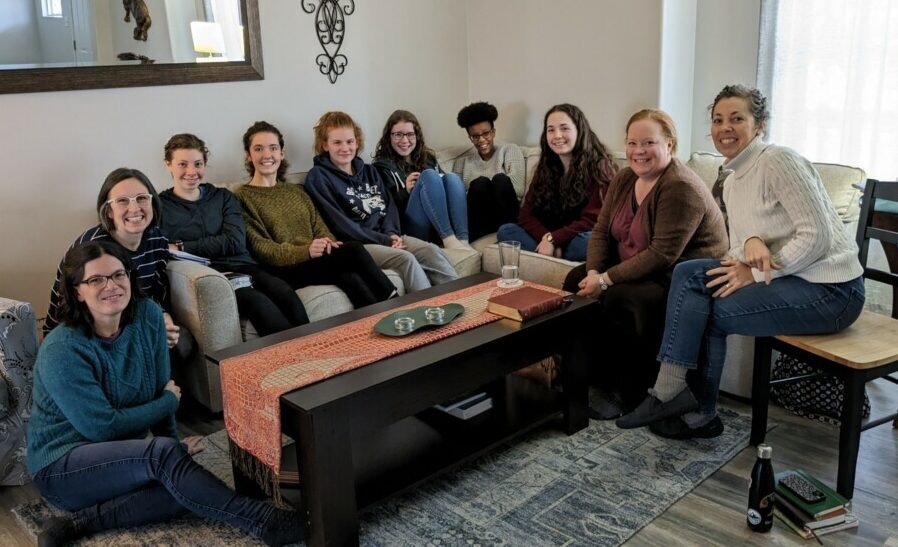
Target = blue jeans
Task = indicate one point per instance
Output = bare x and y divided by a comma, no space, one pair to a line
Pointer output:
121,484
697,323
574,250
437,203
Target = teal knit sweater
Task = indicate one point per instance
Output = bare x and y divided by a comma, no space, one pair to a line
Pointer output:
87,390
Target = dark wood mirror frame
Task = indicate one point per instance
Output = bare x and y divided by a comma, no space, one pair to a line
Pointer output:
99,77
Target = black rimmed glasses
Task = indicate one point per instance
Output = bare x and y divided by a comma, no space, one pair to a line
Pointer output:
119,277
484,135
398,135
124,201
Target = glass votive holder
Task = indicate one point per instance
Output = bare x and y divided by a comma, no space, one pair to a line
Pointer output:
404,324
435,315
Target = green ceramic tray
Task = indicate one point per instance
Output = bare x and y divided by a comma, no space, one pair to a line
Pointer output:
387,325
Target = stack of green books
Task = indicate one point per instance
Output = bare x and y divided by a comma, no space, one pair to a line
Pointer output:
808,520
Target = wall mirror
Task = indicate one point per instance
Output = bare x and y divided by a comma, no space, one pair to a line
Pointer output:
59,45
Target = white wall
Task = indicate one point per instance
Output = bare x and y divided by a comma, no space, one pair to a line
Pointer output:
726,52
601,56
678,67
58,147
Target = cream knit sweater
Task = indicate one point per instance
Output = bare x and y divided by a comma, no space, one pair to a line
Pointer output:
507,159
776,194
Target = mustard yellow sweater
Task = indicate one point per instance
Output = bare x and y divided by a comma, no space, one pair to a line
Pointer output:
281,222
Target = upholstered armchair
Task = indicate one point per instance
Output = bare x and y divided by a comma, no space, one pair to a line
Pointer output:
18,350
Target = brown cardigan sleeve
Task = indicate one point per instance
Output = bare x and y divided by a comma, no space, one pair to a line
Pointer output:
674,214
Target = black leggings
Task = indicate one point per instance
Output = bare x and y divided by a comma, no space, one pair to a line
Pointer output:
349,267
271,304
491,203
629,327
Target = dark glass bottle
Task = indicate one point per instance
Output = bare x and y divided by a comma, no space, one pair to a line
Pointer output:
760,492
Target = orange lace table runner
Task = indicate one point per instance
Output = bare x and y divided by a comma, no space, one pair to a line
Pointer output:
252,384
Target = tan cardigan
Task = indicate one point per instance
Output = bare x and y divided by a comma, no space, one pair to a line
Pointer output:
681,222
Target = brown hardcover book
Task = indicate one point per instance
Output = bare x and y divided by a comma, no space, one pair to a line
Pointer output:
524,303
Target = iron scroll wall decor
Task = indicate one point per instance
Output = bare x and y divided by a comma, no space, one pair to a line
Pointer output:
330,26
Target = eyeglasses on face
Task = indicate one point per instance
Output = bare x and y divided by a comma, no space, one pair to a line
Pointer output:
484,135
124,201
119,277
398,135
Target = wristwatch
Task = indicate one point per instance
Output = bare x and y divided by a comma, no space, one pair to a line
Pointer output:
602,283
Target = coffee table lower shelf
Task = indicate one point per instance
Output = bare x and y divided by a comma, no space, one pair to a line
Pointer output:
414,450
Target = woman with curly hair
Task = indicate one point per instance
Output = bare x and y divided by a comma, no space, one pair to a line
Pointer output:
492,173
430,202
568,188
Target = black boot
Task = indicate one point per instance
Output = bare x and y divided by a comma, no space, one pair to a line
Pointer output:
59,530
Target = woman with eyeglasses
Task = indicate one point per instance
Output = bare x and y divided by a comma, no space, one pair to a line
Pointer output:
430,202
207,221
102,385
128,209
568,188
493,173
353,201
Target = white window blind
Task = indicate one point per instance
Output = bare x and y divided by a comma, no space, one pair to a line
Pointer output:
830,71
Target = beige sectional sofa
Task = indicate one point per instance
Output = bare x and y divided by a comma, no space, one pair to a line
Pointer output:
204,302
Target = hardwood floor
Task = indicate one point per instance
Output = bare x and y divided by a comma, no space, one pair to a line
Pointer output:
713,513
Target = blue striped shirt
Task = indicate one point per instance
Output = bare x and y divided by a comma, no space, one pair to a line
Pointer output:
149,259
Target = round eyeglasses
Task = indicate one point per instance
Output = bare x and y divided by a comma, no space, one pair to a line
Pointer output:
119,277
124,201
484,135
398,135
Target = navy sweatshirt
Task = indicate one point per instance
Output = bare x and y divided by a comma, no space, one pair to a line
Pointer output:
355,207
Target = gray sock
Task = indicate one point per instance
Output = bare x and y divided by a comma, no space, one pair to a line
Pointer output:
696,420
671,381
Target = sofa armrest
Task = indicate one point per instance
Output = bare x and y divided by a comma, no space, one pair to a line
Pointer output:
203,302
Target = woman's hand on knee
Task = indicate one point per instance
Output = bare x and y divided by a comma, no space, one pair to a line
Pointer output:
729,277
396,241
411,179
758,256
590,285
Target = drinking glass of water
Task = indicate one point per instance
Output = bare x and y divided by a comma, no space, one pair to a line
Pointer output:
509,260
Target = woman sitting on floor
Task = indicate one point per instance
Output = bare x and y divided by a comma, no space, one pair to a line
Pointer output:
206,221
430,202
657,213
791,269
493,173
128,209
354,203
568,188
286,234
101,385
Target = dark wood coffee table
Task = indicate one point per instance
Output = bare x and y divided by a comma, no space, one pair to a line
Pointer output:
371,433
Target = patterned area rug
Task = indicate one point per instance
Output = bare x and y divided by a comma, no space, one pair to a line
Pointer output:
598,487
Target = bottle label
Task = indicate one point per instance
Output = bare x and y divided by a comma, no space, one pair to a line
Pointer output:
754,517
